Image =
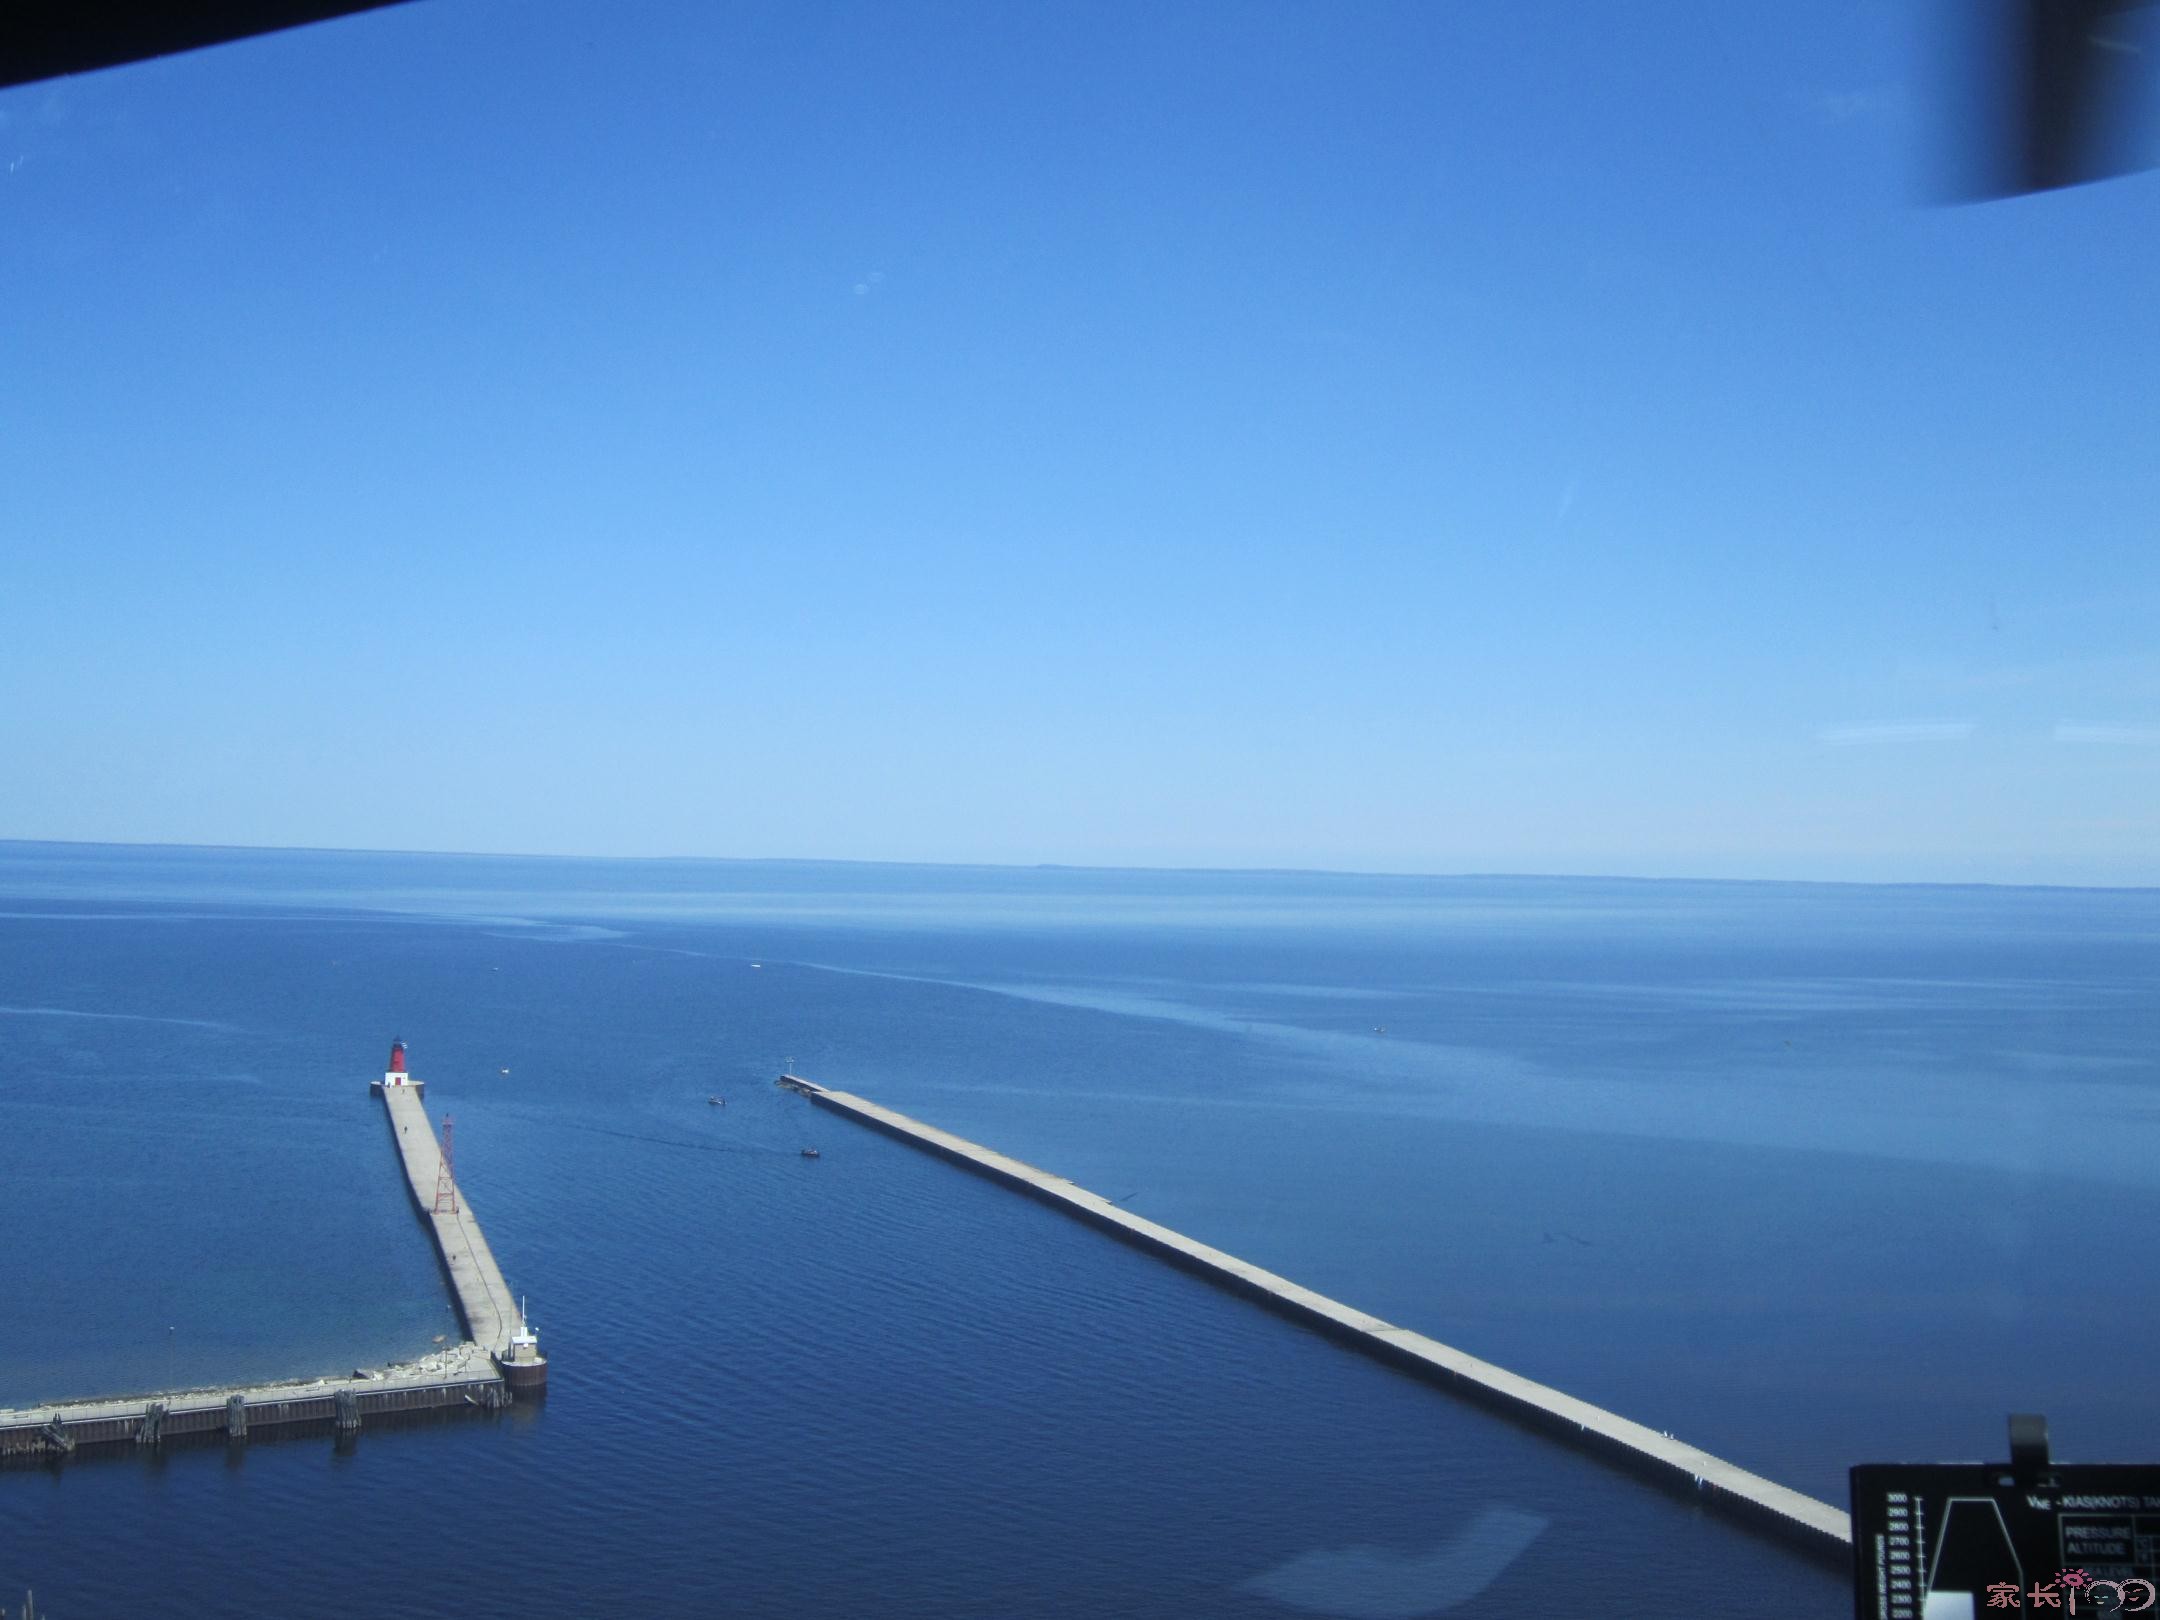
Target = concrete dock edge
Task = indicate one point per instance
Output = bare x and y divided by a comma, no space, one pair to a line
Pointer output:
498,1356
1815,1527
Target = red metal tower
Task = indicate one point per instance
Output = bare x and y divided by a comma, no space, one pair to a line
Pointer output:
446,1176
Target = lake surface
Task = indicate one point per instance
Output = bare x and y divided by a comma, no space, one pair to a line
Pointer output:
1807,1175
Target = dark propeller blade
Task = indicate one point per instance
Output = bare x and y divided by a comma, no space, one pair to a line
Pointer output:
2052,97
2056,93
41,39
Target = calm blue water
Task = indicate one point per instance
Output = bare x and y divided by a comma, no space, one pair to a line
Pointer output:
1807,1175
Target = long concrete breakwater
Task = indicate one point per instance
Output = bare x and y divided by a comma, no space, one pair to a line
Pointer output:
497,1359
491,1315
1816,1527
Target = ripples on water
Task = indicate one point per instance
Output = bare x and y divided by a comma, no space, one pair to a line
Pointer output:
1806,1176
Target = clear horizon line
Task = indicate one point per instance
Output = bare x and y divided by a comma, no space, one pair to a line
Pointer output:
1076,866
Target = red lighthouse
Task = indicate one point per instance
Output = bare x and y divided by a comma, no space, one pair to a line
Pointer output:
395,1075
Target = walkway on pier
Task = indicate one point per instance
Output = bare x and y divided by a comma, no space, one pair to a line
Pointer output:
497,1354
1819,1527
484,1301
458,1375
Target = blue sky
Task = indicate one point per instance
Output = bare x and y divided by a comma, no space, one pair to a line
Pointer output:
1435,437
